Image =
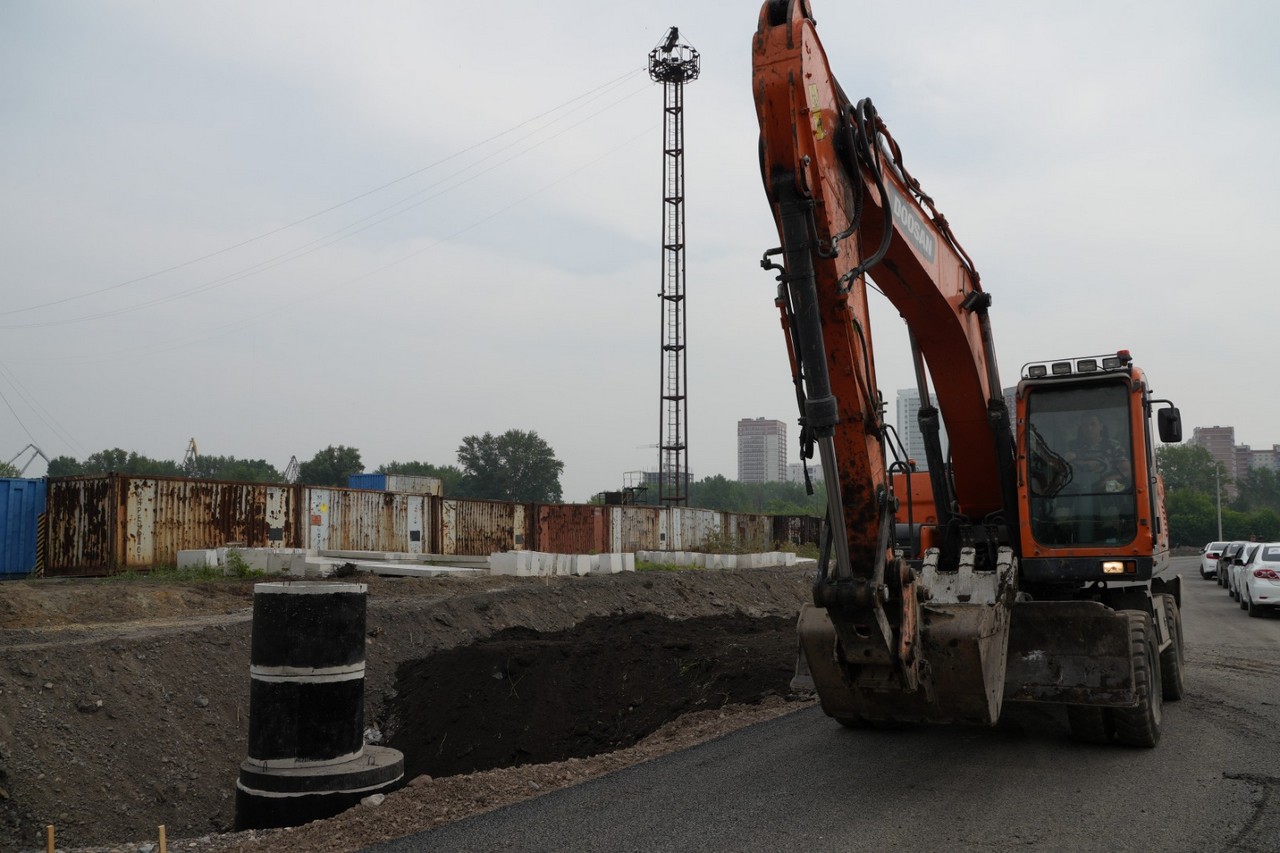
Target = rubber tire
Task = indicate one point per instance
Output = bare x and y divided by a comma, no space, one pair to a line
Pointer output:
1140,726
1251,608
1240,598
1172,659
1089,724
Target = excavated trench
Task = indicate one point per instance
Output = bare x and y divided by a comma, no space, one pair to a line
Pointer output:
522,697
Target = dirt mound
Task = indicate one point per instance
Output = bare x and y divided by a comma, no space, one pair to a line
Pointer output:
124,705
523,697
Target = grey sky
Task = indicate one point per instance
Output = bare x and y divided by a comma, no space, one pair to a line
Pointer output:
1108,166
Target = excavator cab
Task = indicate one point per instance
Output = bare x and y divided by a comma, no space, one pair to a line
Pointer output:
1088,486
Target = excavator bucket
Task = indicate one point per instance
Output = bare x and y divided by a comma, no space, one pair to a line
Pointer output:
965,629
1073,652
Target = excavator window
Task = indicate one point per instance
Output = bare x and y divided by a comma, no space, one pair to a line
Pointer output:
1081,464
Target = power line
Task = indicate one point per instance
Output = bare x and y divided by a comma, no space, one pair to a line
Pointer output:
337,235
330,209
220,331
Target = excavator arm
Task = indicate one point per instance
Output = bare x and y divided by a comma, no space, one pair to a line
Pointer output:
846,208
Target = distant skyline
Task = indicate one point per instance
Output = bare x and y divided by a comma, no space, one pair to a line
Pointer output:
276,227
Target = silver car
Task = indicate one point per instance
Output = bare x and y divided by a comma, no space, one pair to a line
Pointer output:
1229,553
1237,568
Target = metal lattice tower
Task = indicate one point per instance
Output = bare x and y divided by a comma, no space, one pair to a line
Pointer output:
673,64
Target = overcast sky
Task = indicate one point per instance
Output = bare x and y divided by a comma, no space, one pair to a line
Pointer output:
276,226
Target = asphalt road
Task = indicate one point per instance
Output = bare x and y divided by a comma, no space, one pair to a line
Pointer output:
803,783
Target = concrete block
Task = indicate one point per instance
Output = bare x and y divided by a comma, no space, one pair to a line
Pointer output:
628,562
581,564
511,563
202,558
595,563
610,564
541,565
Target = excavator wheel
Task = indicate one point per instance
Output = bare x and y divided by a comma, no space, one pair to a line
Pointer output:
1140,726
1090,724
1172,662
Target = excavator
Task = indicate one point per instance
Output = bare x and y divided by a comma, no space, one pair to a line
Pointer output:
1023,566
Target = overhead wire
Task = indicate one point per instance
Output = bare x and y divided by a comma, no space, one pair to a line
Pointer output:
64,300
337,235
44,415
261,316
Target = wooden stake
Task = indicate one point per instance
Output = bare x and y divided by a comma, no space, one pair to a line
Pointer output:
164,847
48,838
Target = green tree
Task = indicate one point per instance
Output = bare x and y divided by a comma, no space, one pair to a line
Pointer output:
233,469
514,466
331,467
450,476
114,460
1193,517
7,470
1258,489
720,493
65,466
1186,466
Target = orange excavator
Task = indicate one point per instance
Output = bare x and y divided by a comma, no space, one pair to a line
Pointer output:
1023,566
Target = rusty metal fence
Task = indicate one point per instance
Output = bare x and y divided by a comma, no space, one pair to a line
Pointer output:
116,523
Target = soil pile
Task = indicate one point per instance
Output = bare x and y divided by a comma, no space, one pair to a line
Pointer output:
124,706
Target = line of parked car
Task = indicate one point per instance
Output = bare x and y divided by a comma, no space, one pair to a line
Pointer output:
1250,572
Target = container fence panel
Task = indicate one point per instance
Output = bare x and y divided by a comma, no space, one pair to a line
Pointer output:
637,528
79,527
476,527
22,502
571,529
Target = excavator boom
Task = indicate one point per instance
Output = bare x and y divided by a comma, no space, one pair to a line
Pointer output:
949,626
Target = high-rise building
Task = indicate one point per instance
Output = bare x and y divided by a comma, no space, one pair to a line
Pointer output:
908,423
909,428
1220,441
795,470
762,451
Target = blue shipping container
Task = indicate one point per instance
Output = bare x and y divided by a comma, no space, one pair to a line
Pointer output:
21,505
373,482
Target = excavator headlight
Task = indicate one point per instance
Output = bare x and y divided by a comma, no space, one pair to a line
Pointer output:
1112,362
1037,371
1119,567
1087,365
1061,368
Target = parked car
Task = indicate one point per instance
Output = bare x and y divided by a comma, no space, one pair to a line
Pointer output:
1209,559
1229,553
1237,568
1260,580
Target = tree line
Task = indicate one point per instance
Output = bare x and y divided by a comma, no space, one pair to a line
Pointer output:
520,466
1250,505
517,465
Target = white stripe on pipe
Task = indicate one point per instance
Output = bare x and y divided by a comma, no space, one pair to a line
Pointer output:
282,794
313,675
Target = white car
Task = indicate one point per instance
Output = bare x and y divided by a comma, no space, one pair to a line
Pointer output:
1237,568
1260,580
1209,559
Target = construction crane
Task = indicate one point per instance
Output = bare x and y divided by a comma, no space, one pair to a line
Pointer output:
35,451
191,457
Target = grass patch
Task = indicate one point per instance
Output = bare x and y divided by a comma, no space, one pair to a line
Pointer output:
237,569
